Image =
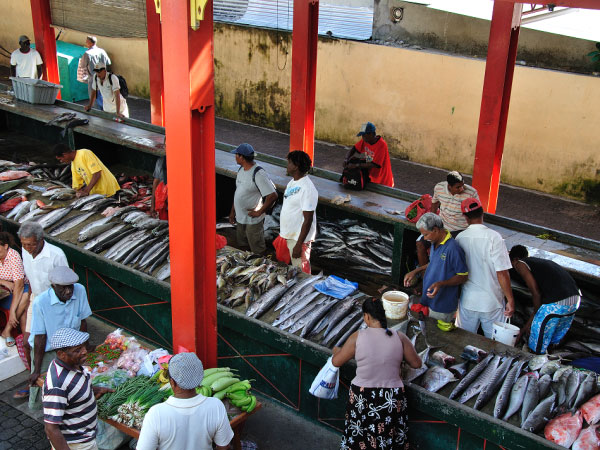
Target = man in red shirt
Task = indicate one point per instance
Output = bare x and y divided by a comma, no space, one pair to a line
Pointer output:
374,151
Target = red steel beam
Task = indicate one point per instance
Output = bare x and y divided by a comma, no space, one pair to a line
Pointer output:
155,64
586,4
190,129
304,75
499,70
45,40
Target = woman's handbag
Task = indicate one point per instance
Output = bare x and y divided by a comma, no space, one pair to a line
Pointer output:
326,382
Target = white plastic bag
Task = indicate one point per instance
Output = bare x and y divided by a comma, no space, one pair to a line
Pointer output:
326,382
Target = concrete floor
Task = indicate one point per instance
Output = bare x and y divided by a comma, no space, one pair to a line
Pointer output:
270,428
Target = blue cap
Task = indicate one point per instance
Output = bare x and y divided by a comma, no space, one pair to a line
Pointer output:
244,150
366,128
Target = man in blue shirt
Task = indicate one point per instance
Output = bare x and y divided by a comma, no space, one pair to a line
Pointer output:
64,305
446,271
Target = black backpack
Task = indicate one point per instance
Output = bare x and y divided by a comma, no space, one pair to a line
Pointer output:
356,178
122,83
256,169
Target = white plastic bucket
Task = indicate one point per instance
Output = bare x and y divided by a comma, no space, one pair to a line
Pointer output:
505,332
395,304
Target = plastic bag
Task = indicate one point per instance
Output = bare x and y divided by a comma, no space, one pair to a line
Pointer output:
221,241
131,360
416,209
109,438
150,364
336,287
111,378
326,382
282,253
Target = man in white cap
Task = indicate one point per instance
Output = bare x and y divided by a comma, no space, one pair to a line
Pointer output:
187,420
70,411
108,85
92,56
25,62
65,304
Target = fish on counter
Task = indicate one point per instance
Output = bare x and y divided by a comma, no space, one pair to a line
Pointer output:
473,353
540,415
436,378
590,410
439,358
532,397
588,439
517,394
483,379
504,395
490,388
71,222
471,376
564,429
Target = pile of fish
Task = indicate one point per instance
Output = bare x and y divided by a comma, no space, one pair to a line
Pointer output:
357,245
548,396
263,285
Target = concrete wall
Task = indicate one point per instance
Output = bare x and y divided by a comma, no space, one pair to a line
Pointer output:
426,105
465,35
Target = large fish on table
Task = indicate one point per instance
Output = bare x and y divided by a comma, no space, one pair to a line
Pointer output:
591,410
94,229
490,388
586,389
53,217
103,240
268,299
338,330
295,290
506,388
436,378
517,394
70,223
540,415
23,206
532,398
588,439
85,200
471,376
564,429
483,379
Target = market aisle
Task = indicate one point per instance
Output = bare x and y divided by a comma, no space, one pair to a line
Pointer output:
19,431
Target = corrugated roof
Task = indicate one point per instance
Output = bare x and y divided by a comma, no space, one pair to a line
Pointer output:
349,22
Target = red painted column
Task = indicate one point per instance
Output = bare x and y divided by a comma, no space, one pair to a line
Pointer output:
304,75
190,129
155,64
45,40
497,85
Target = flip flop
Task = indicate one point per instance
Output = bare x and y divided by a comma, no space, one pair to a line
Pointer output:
23,393
10,341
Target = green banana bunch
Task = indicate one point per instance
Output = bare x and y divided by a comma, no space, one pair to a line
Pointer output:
445,326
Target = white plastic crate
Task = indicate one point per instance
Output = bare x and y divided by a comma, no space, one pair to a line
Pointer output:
35,91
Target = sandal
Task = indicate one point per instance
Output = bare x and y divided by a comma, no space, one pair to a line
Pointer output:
23,393
10,341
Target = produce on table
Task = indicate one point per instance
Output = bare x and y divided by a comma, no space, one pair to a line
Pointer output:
116,340
132,412
108,404
111,379
102,353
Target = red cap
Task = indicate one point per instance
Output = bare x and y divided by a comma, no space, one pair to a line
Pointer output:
470,204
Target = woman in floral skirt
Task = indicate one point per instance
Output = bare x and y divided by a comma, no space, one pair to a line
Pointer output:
376,415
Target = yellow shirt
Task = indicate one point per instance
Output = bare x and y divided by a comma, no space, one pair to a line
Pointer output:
86,164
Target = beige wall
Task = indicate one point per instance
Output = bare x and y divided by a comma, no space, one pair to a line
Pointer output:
426,105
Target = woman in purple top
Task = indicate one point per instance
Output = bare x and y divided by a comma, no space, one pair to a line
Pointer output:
376,411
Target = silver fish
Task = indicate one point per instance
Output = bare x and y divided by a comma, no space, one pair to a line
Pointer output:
489,389
544,384
460,370
549,368
517,394
268,299
124,210
164,272
476,386
51,192
359,324
87,199
532,398
17,209
470,377
70,223
31,215
316,316
342,311
53,217
587,388
339,328
308,313
571,388
294,291
559,373
289,312
537,362
442,359
436,378
105,237
139,249
473,353
98,204
505,390
540,415
63,194
94,229
151,257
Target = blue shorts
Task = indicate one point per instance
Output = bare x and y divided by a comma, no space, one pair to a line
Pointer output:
551,323
7,301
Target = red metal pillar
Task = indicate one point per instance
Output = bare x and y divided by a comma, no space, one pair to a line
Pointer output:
304,75
45,40
155,64
190,129
497,85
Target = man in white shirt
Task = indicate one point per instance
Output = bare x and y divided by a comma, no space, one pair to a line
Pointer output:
482,298
39,258
298,219
25,62
108,85
187,420
92,56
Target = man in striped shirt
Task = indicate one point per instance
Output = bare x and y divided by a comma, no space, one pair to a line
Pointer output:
447,197
70,412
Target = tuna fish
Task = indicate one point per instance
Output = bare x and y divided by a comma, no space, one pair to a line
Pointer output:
470,377
544,384
564,429
517,394
94,229
540,415
436,378
460,370
504,393
572,388
473,353
532,398
549,368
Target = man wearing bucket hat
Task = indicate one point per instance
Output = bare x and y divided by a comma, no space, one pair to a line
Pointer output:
444,273
482,298
64,305
186,420
25,62
70,412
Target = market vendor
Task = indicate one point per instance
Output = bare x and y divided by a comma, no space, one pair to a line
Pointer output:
447,197
64,305
554,294
445,272
90,176
186,420
375,156
70,412
159,204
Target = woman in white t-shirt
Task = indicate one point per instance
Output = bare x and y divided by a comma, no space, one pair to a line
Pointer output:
298,223
112,100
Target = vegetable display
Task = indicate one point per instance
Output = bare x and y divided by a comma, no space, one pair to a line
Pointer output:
108,404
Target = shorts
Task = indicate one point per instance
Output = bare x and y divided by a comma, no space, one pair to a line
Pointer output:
446,317
551,323
252,235
29,314
7,301
90,445
470,320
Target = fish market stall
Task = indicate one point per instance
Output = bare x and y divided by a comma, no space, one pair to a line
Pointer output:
283,362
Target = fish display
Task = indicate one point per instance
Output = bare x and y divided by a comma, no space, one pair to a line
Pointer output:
540,415
504,394
588,439
564,429
436,378
591,410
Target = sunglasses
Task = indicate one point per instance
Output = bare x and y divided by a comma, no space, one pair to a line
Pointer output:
98,70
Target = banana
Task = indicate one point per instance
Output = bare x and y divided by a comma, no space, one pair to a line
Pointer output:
251,405
445,326
242,402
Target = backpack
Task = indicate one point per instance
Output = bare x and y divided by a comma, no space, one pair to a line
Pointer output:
416,209
256,169
356,178
122,83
